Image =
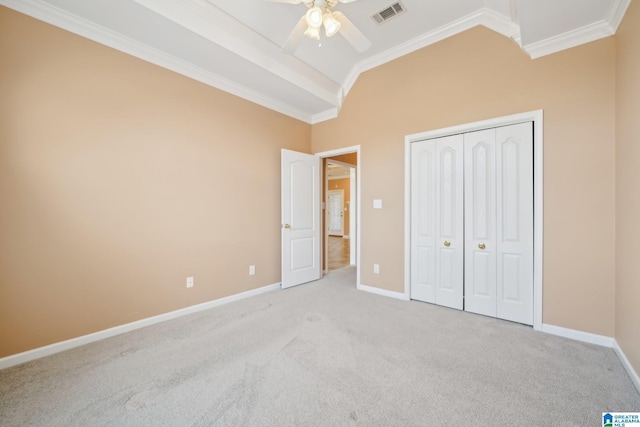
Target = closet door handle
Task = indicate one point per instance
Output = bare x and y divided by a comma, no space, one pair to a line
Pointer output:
447,243
481,246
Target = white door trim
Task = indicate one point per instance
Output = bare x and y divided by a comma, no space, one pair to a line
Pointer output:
352,215
538,209
337,152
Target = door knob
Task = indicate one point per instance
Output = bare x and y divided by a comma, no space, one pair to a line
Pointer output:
287,226
447,243
481,246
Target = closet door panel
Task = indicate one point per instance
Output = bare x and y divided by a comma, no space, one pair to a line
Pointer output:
449,235
514,157
480,222
423,211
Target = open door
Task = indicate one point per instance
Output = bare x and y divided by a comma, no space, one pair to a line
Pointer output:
300,227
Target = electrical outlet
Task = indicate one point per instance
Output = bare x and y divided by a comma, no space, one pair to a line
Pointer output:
190,282
376,268
252,270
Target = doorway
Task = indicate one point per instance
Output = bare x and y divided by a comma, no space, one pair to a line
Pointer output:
340,214
304,231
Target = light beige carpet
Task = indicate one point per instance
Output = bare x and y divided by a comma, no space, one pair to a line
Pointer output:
322,354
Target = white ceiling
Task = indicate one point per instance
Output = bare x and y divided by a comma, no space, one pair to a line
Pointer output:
236,45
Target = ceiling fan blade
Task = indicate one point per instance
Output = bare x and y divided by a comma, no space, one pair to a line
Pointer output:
351,33
295,37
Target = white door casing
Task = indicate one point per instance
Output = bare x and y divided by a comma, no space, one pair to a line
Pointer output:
352,216
300,218
438,226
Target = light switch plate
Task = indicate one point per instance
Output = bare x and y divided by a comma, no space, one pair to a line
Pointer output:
377,203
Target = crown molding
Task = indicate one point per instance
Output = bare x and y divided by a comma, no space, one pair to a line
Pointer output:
82,27
617,12
498,23
198,15
579,36
324,116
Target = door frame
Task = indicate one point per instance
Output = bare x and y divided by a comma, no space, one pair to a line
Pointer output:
536,117
338,152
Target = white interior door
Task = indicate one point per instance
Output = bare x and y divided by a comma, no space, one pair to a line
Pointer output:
300,212
437,221
336,212
423,221
514,159
480,222
449,221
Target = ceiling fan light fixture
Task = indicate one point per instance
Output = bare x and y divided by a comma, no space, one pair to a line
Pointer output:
331,24
313,32
314,17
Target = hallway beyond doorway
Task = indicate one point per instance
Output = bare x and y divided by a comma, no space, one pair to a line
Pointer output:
338,252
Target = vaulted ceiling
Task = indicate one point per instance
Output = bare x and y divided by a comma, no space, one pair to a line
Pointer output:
237,45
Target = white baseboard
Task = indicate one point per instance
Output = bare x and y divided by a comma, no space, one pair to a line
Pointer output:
578,335
58,347
598,340
383,292
627,365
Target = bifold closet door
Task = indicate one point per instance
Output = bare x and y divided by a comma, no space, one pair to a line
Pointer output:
499,222
480,222
514,197
437,256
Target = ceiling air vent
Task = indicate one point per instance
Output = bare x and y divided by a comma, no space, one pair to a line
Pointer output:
388,13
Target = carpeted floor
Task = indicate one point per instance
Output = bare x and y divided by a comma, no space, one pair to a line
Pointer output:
322,354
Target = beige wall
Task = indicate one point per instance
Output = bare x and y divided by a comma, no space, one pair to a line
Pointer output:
627,186
118,179
479,75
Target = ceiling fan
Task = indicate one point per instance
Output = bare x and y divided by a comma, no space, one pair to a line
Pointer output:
320,14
